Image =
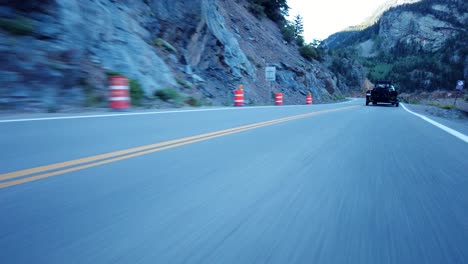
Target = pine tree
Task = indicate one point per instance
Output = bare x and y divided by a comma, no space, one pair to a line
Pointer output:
276,10
316,43
298,26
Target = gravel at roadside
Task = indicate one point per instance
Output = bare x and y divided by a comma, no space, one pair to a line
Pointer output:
453,118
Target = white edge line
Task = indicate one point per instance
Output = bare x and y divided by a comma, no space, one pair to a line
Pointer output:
155,113
143,113
445,128
109,115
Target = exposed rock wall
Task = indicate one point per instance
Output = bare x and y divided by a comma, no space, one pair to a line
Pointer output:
424,31
421,45
72,44
58,53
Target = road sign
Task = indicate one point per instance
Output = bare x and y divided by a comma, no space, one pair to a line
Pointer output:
270,74
460,85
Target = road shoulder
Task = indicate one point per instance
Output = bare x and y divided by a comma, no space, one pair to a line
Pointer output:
453,118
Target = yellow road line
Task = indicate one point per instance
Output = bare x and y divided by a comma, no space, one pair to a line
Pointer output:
93,161
60,165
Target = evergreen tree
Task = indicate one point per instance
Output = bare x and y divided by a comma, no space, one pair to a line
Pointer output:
298,26
276,10
316,43
288,31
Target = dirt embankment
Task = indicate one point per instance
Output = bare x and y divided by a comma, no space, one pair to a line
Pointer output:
446,100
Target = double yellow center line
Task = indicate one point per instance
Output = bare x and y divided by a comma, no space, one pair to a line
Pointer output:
37,173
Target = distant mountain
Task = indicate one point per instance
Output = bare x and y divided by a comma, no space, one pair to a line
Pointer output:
374,18
352,32
422,45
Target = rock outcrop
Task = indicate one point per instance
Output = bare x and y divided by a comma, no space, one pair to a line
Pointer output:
71,46
422,24
422,31
421,45
59,53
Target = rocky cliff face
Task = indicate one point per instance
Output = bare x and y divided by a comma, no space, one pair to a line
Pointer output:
68,46
59,53
424,25
369,26
428,29
421,45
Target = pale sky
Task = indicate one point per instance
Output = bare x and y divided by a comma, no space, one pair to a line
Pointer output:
325,17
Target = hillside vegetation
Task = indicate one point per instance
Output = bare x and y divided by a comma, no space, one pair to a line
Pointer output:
421,46
174,53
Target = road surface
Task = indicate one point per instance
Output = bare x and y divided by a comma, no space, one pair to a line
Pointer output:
337,183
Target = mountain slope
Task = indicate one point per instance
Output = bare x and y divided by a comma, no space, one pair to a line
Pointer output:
422,46
350,34
59,54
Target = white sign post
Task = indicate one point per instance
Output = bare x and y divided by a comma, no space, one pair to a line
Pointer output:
460,85
459,88
270,76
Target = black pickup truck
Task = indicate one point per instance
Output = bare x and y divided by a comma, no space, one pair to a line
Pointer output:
383,92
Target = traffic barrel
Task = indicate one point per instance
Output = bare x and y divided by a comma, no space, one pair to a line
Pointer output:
279,98
309,99
239,97
119,98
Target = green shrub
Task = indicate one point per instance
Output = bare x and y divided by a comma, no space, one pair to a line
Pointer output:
300,41
17,26
443,106
410,99
113,73
136,92
339,97
275,10
92,99
164,44
256,9
253,61
52,108
288,31
309,52
168,94
448,107
193,102
380,71
184,83
56,65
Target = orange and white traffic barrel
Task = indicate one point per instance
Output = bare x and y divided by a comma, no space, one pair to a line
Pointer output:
239,97
119,98
309,99
279,99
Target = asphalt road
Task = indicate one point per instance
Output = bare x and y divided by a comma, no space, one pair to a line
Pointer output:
338,183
